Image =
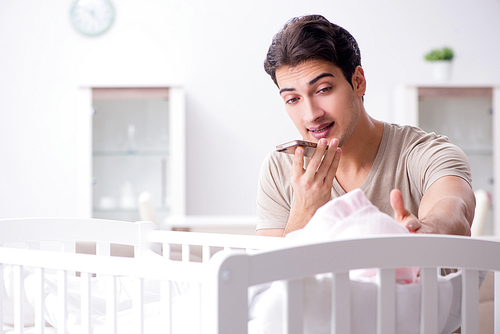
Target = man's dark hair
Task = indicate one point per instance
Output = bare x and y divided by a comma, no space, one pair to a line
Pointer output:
313,37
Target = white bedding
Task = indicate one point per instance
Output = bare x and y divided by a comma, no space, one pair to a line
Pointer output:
8,329
267,306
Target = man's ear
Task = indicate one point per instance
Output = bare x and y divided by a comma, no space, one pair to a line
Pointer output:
359,81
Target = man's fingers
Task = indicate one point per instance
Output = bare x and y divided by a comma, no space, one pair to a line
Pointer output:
298,162
328,158
317,158
323,164
334,166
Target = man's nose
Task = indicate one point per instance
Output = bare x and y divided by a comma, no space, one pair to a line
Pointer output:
312,111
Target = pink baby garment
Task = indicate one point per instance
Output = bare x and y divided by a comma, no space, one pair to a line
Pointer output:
352,216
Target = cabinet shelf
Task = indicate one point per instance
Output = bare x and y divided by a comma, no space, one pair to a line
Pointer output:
139,153
131,210
137,146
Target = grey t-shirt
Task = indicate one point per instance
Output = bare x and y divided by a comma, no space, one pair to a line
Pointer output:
408,159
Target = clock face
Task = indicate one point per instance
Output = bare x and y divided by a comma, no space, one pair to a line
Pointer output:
92,17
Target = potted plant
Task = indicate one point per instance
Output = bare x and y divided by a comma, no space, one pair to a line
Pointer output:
441,59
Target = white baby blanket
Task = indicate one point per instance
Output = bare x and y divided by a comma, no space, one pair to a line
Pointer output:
352,216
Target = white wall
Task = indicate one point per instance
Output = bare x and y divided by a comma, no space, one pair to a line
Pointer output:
216,50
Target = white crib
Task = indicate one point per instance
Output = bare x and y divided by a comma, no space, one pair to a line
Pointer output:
45,248
39,254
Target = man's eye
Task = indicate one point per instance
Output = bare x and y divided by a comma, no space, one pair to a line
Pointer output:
292,101
324,90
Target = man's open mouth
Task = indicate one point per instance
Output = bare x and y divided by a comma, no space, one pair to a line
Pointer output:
323,128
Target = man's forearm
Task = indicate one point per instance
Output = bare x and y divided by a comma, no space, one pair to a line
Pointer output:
447,207
450,215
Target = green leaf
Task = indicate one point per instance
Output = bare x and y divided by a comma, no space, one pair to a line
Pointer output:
444,53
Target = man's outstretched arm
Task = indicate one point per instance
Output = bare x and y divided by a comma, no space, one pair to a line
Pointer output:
447,207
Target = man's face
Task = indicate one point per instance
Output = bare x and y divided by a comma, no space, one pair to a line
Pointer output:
319,100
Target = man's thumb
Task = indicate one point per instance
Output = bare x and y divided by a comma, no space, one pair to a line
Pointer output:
398,205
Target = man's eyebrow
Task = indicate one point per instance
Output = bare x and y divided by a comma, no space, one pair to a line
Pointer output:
286,90
312,82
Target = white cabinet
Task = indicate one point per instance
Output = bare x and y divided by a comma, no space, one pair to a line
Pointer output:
464,113
138,145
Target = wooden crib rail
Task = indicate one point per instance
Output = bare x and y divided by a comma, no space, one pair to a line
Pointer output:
64,263
218,239
68,231
103,265
209,242
234,273
432,251
107,267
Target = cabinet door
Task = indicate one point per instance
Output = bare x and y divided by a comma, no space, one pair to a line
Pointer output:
465,116
131,151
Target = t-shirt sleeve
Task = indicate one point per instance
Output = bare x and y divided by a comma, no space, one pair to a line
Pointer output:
273,195
433,159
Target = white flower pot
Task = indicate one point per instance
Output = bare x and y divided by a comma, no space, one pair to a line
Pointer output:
441,70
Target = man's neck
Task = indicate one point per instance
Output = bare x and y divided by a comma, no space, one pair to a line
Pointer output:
359,153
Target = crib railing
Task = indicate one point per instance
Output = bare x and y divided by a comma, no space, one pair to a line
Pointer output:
211,243
236,272
87,266
225,279
62,234
46,247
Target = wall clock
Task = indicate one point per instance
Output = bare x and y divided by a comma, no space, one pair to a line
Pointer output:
92,17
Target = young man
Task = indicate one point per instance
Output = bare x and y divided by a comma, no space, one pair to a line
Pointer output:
420,179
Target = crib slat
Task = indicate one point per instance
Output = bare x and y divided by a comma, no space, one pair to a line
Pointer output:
111,300
86,296
341,303
205,251
496,299
166,250
68,246
18,299
386,302
429,303
62,287
138,312
103,248
225,296
40,301
166,303
470,301
293,320
186,252
199,311
1,297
